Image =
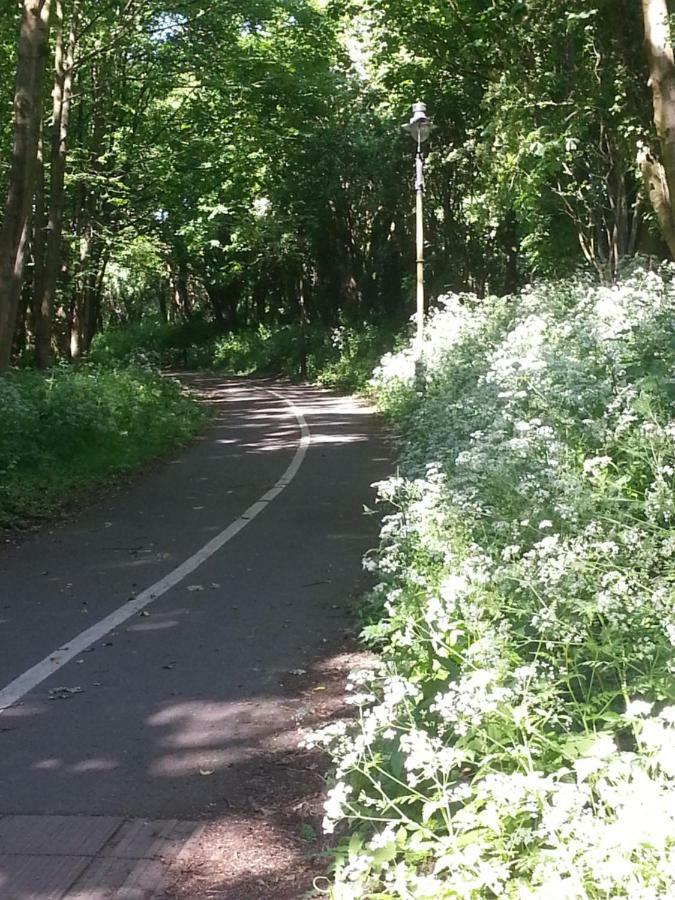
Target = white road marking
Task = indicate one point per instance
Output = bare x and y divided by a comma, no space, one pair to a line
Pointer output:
25,683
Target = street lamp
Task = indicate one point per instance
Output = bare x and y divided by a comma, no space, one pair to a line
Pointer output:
419,128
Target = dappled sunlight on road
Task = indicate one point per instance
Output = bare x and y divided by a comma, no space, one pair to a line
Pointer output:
247,752
190,712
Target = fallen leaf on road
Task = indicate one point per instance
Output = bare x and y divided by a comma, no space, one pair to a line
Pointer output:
206,771
319,687
64,693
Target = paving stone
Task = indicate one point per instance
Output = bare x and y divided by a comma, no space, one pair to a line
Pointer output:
56,835
39,877
88,857
102,879
149,839
120,879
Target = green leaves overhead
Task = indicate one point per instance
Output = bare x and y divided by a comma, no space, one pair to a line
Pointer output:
257,145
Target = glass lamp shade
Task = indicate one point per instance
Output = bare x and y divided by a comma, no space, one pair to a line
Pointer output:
420,125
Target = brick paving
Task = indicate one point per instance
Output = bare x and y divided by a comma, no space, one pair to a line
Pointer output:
89,857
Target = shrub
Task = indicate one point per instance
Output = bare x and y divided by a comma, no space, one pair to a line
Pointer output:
517,738
62,432
342,357
155,343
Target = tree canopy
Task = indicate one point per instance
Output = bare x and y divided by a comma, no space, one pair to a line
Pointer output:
245,162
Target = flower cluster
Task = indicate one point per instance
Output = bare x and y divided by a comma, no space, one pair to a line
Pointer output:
517,737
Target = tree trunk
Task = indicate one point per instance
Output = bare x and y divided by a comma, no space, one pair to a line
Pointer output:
78,301
91,317
183,290
162,300
302,337
33,46
217,297
20,342
39,231
659,176
63,88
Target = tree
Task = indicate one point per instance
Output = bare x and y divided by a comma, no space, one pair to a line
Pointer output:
44,287
32,51
243,162
659,175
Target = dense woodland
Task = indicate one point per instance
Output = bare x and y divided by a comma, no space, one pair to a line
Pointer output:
244,163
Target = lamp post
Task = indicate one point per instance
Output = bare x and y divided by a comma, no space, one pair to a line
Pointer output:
419,128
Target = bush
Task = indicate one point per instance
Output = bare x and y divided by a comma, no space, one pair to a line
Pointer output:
154,343
517,738
77,426
342,357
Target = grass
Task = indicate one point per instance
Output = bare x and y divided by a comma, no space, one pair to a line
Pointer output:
66,433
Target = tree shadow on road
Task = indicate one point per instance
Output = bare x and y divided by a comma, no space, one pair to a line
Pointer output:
194,710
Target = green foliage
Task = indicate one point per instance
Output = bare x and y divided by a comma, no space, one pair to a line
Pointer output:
241,162
180,345
349,362
9,23
64,433
342,357
567,110
517,737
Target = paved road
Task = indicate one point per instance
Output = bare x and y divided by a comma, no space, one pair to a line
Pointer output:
153,727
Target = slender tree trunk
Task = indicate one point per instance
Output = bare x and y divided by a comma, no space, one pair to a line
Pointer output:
39,231
302,340
20,341
92,307
234,291
63,88
78,302
183,290
216,294
33,46
635,228
659,175
161,301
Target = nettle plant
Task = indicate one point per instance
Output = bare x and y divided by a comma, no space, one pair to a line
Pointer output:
517,737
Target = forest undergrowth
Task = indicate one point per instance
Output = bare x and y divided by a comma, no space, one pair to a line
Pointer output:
517,738
76,428
342,357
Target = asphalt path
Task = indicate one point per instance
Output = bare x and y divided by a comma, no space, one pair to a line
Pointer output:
161,716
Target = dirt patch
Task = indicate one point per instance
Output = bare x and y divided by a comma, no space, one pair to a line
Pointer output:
271,846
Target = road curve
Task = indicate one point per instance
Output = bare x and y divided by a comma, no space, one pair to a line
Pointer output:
160,716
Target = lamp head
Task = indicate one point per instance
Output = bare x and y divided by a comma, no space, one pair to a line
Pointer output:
420,126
